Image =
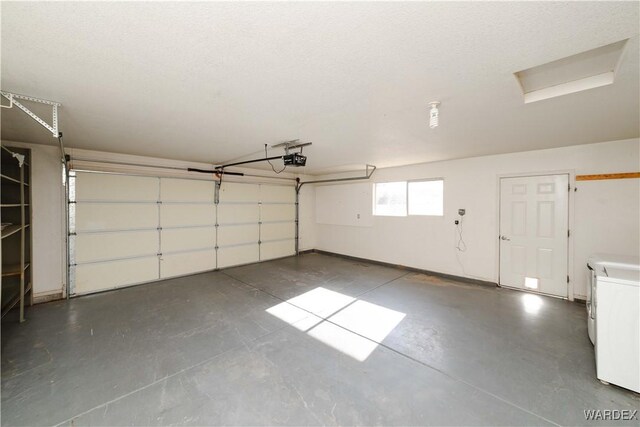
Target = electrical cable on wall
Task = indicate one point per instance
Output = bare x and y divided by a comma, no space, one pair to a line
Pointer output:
461,246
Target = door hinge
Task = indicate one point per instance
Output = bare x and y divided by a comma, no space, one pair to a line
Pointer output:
567,278
568,233
569,187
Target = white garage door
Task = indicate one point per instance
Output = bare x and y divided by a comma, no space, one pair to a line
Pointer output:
114,231
277,221
256,222
238,224
131,229
187,226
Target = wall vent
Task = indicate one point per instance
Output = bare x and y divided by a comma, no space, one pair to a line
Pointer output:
587,70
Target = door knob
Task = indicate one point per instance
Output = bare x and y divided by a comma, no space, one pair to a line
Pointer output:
504,238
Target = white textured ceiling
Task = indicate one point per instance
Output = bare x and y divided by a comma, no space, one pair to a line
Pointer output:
214,81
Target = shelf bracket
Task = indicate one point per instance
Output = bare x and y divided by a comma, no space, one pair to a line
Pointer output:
13,99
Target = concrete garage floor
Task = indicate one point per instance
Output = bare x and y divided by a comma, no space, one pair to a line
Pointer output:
357,343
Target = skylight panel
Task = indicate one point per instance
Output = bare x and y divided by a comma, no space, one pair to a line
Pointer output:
587,70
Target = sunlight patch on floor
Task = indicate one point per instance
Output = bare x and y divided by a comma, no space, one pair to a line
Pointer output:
349,320
532,303
322,302
370,320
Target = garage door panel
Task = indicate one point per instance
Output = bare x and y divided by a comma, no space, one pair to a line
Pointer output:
186,190
176,215
271,250
187,263
115,216
107,275
183,239
235,192
280,230
277,213
237,234
91,247
238,214
277,194
238,255
111,187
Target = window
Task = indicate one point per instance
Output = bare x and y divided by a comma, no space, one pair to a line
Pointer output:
390,199
426,197
409,198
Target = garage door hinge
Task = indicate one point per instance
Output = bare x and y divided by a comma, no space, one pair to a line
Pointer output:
73,234
159,254
159,228
259,242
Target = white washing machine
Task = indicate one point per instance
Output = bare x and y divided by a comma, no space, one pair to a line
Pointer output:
616,302
597,265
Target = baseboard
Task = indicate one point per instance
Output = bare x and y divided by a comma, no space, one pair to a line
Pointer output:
404,267
48,297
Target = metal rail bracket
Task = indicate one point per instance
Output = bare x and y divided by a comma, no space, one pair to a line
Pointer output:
13,100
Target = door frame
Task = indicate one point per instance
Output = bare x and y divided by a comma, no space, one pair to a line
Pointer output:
570,222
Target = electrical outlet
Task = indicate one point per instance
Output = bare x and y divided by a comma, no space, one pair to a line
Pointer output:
461,212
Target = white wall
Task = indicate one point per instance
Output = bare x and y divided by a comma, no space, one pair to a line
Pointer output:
604,215
47,217
344,204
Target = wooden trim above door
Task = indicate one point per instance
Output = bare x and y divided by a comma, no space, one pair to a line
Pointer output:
623,175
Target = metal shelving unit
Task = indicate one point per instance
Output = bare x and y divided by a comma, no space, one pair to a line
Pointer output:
15,235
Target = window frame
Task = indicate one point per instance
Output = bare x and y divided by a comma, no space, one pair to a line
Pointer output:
409,199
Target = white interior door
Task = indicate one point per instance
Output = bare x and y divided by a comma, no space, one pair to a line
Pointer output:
534,233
